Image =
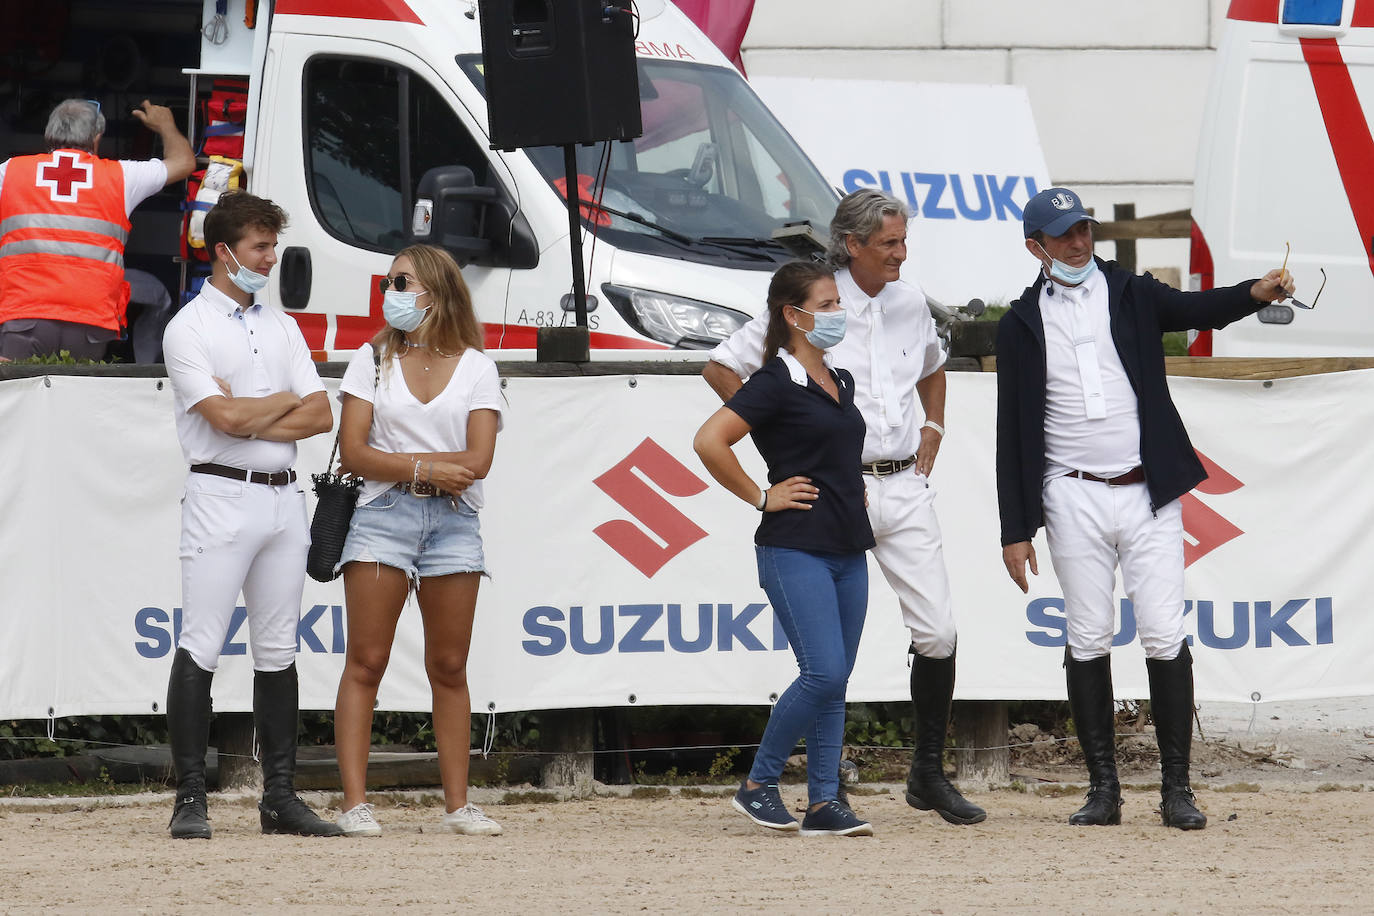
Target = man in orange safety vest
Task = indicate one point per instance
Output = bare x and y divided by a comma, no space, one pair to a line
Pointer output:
64,221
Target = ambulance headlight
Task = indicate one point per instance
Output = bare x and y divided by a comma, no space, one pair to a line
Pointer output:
674,320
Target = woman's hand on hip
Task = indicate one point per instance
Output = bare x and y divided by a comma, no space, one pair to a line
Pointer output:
792,493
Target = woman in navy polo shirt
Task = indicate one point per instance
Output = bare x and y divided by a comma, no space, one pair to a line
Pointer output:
810,541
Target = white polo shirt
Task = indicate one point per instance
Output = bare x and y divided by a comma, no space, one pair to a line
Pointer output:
258,351
1091,416
890,343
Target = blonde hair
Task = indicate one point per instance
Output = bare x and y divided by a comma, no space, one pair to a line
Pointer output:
451,325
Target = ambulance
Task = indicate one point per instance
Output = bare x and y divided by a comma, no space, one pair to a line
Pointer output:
1286,174
350,103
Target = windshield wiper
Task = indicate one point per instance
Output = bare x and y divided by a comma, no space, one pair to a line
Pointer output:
673,234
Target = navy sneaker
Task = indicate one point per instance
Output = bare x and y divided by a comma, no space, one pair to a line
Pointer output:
764,807
834,819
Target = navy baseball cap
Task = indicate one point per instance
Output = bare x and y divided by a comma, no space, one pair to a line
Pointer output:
1053,211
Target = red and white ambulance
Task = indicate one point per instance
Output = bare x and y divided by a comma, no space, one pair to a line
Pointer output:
351,102
1286,161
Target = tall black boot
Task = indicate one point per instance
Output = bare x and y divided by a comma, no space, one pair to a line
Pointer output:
276,711
932,690
1093,708
1171,704
188,728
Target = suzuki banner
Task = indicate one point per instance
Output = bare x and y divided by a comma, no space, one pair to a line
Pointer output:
622,575
964,158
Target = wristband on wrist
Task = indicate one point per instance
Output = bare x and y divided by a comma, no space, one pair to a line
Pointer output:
763,500
931,424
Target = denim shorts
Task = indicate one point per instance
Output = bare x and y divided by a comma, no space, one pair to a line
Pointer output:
422,536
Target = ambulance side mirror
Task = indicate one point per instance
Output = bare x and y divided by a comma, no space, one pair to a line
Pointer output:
477,224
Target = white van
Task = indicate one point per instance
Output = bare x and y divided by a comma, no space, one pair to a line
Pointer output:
1286,158
352,103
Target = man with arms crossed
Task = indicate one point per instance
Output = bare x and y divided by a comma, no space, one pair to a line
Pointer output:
1090,445
246,391
892,350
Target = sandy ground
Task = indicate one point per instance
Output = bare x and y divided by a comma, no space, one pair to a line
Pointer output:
1290,797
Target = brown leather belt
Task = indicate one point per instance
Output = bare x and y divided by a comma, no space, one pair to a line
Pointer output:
887,468
273,479
424,490
1134,475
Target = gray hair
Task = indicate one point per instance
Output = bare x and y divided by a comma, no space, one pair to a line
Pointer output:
74,124
860,214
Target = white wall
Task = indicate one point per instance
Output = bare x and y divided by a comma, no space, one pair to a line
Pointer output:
1117,86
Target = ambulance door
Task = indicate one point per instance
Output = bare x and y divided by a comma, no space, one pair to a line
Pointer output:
354,127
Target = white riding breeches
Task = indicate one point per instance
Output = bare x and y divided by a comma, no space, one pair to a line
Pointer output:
242,537
910,552
1091,528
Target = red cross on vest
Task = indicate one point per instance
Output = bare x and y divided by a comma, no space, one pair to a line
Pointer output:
64,176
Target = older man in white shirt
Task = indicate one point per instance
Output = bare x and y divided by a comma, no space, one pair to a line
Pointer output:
245,391
892,350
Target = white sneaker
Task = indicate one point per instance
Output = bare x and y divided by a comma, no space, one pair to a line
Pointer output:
470,820
358,821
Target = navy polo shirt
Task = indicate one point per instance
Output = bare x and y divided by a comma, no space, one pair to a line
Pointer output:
801,430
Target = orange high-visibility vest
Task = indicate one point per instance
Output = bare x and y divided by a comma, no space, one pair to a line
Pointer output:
62,233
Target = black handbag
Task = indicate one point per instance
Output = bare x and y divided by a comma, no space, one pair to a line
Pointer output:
338,497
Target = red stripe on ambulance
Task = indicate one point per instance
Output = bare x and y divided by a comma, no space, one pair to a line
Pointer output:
1347,129
383,10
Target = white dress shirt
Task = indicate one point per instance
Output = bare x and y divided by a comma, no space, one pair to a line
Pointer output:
1091,416
258,351
889,345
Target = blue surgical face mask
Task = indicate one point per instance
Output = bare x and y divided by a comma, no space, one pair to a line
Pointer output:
250,281
398,308
1069,276
828,329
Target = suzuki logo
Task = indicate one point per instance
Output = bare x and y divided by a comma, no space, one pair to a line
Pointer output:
1062,201
1203,529
674,531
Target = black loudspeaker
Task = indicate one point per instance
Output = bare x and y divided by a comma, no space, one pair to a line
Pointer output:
559,72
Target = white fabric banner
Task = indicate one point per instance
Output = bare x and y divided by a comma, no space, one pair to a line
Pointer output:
623,575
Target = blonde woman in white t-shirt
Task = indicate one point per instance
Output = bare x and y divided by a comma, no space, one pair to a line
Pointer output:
419,426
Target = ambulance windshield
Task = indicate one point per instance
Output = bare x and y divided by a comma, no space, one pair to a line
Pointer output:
712,176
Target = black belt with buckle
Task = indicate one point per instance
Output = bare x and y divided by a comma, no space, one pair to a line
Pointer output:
1134,475
272,479
888,468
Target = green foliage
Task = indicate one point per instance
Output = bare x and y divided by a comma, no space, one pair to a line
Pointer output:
24,738
878,725
1176,343
61,358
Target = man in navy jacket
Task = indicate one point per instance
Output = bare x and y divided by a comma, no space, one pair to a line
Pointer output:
1090,445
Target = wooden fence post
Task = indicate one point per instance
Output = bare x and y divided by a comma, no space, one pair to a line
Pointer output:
981,755
1125,248
234,736
570,734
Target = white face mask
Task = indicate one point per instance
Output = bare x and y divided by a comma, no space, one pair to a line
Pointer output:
250,281
1069,276
400,311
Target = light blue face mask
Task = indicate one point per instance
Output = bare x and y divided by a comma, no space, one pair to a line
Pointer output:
250,281
398,308
1069,276
828,329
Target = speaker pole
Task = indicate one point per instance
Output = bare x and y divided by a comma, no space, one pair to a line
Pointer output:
570,345
575,232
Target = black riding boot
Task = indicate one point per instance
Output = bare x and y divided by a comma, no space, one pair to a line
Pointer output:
188,728
932,690
1093,708
276,708
1171,704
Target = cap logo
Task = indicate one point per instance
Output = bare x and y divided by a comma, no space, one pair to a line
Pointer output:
1062,201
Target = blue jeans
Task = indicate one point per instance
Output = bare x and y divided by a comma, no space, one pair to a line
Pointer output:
820,600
